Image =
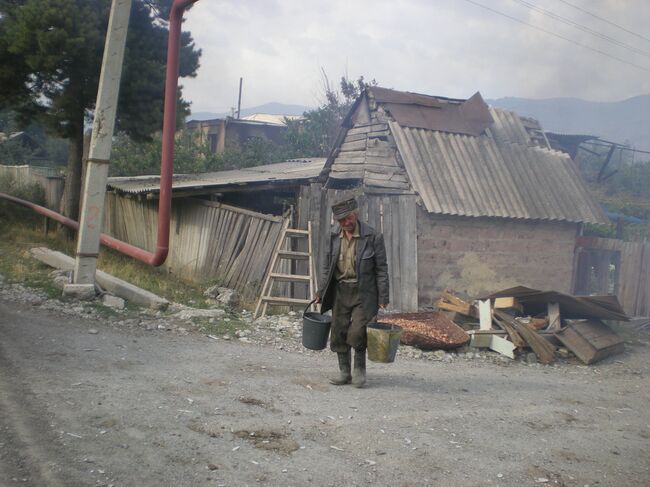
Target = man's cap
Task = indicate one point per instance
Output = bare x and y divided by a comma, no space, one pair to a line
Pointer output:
343,208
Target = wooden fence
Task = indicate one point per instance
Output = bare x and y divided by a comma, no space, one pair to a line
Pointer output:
610,266
394,215
208,241
48,178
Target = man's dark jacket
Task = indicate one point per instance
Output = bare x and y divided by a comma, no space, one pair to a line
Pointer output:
371,268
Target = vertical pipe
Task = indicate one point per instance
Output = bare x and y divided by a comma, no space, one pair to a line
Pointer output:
221,137
167,161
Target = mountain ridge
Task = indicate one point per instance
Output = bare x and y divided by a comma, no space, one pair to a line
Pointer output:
625,121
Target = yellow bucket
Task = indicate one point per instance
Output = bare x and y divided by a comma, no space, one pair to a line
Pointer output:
383,340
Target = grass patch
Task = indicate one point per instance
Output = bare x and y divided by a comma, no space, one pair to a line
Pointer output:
31,192
128,311
17,265
221,327
153,279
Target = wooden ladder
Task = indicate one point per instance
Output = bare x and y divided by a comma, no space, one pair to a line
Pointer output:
281,254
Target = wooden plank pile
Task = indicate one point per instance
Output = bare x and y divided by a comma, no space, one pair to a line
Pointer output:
450,302
505,325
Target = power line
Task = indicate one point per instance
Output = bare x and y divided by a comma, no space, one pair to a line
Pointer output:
556,35
581,27
604,20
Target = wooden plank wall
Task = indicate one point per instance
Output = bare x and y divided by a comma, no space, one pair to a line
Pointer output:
598,271
308,210
393,215
46,177
208,241
633,275
365,154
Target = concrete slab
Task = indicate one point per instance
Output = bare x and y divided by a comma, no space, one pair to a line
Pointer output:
79,291
112,284
114,302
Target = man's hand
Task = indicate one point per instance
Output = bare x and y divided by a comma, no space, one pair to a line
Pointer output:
383,306
316,299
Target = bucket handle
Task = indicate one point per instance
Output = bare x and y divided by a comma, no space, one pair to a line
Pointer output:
310,303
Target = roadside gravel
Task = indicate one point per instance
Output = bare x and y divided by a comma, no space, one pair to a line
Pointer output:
91,396
282,332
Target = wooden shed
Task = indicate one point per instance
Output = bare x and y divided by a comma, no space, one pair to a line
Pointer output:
224,225
467,196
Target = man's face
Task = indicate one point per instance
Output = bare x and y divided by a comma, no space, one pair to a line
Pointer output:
349,222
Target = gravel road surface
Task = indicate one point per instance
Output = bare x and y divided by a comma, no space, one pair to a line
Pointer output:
88,401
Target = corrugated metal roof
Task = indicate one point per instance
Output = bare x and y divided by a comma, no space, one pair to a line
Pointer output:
507,128
298,169
497,174
506,169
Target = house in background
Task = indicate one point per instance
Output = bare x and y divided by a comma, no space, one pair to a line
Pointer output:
38,152
468,197
221,133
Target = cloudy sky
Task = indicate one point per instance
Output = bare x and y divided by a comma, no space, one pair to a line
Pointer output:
443,47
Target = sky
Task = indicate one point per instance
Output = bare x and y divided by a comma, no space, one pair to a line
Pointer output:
452,48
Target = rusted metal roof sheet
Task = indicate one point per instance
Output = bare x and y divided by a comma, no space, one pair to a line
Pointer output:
385,95
497,174
293,170
470,116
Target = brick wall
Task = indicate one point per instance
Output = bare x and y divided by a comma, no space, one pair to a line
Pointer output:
480,255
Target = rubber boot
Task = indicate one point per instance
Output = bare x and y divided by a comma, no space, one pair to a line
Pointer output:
344,376
359,371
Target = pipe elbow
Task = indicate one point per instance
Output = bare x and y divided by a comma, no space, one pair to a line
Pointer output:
178,7
159,256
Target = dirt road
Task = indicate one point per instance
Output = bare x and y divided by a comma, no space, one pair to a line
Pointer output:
129,407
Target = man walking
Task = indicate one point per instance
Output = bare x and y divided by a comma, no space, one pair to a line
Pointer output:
354,284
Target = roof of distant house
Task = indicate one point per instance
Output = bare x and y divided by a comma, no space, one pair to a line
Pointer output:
270,118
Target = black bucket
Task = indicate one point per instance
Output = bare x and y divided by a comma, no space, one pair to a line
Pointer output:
315,329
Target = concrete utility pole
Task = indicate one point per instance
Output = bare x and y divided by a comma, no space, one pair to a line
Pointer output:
92,203
241,80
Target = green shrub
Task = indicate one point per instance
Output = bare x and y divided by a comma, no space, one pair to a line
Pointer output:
31,192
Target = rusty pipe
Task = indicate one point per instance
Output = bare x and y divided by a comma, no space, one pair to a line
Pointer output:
157,257
169,129
64,220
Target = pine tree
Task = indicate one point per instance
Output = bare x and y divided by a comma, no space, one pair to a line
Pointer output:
50,58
